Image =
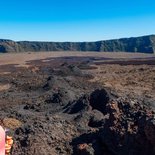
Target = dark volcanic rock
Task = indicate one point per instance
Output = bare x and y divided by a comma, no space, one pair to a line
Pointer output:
99,99
145,44
127,130
61,113
80,105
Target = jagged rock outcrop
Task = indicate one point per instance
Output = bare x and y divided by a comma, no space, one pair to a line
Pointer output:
145,44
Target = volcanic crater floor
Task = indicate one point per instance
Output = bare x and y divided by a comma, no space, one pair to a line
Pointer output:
79,106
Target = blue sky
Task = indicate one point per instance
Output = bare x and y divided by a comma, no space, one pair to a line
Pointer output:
75,20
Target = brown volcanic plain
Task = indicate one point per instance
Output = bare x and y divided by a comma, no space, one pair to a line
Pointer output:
78,103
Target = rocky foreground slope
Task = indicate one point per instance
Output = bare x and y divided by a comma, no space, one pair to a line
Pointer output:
145,44
57,107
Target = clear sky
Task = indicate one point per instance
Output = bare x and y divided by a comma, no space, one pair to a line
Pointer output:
75,20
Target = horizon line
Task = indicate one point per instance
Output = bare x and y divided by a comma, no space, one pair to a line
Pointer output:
77,41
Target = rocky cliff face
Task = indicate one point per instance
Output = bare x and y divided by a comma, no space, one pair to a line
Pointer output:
153,42
145,44
9,46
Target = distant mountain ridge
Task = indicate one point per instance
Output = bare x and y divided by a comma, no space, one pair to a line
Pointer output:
144,44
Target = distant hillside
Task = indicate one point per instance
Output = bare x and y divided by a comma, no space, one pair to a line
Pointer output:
144,44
